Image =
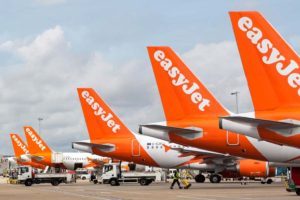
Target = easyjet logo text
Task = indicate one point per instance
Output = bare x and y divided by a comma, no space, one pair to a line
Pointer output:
35,139
270,54
20,144
191,89
100,112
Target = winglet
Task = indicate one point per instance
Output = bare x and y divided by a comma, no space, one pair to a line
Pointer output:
35,142
182,94
271,66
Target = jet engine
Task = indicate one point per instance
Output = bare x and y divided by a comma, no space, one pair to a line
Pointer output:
254,168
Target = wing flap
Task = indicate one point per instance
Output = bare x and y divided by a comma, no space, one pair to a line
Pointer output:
209,156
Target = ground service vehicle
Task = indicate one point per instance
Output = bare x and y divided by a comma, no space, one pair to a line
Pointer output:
83,174
27,176
113,175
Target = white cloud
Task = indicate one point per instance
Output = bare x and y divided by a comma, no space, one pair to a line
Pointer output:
44,46
219,67
44,85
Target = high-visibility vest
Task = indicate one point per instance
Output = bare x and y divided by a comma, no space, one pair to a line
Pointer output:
176,175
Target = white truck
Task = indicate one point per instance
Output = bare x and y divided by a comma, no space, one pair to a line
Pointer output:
113,175
27,176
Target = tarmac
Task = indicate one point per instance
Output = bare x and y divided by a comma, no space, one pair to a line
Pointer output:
155,191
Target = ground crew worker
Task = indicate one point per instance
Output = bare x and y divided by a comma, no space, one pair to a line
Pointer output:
176,179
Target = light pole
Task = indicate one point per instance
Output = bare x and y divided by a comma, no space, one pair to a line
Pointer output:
236,100
40,119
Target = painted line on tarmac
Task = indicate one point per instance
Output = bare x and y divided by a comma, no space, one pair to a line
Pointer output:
122,191
194,197
79,195
208,196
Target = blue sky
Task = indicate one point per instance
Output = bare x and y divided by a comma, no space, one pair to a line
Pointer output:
48,48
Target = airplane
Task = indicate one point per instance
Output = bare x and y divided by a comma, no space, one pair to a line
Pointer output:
41,153
272,70
192,113
109,137
20,149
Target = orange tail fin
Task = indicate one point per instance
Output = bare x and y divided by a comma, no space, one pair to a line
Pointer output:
19,146
181,92
35,142
270,64
100,120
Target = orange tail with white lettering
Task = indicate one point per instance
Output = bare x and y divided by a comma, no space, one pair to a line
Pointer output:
101,121
270,64
182,94
36,145
19,146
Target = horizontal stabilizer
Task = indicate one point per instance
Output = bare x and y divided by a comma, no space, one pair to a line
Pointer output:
285,128
101,147
188,133
37,158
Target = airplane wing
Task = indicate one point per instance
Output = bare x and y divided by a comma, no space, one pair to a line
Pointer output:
208,156
101,147
285,128
189,133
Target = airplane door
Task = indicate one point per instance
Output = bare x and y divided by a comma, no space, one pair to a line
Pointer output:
233,139
135,148
78,165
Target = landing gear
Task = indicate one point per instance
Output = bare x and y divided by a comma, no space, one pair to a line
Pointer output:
200,178
215,178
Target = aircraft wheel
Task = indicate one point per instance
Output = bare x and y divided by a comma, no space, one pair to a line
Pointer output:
200,178
215,178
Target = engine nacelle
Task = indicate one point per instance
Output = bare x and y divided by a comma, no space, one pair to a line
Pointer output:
255,168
